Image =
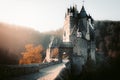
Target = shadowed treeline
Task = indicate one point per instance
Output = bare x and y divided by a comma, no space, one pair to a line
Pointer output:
108,37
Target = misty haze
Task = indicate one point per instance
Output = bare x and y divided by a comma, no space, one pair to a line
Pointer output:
82,48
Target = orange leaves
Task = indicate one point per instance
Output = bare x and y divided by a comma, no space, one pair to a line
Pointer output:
31,55
55,52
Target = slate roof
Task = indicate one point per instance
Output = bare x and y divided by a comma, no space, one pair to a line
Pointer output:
83,13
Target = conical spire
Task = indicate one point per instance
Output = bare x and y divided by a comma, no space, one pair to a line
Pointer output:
83,13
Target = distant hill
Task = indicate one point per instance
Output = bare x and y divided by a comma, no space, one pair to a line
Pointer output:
13,39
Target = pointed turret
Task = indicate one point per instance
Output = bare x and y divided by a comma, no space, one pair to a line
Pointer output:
83,13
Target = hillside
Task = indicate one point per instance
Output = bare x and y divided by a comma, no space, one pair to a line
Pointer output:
14,38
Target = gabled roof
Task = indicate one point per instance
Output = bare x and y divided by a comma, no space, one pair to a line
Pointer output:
83,13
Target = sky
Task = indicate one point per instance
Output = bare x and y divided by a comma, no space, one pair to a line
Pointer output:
46,15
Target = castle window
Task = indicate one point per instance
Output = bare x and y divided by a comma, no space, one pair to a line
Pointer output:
79,34
64,33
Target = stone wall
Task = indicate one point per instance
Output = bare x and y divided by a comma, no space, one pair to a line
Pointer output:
18,70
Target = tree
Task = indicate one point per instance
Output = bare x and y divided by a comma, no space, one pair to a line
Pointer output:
31,55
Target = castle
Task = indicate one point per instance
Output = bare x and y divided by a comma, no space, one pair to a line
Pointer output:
78,35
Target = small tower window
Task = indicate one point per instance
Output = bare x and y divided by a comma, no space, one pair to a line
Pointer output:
79,34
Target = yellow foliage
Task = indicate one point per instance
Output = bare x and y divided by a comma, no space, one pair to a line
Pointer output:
31,55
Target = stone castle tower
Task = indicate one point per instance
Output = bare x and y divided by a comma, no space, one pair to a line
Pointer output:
78,33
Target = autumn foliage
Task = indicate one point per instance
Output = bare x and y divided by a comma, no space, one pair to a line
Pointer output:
55,52
31,55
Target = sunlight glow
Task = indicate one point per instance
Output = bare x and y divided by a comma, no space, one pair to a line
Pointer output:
45,15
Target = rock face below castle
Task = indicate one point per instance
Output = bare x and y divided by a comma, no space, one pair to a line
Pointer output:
78,32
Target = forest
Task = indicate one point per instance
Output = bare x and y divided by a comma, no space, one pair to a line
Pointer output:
14,40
